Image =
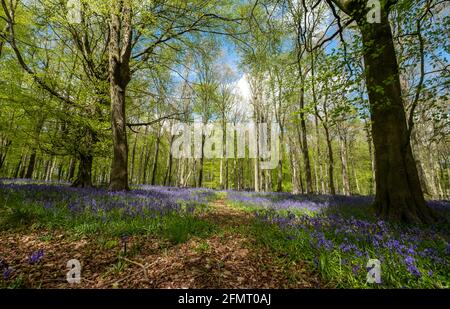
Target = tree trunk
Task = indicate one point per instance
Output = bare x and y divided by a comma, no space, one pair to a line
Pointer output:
146,157
17,169
280,164
227,171
50,170
344,165
84,176
133,157
23,168
31,164
332,189
72,167
4,153
155,162
304,141
38,168
168,176
119,168
235,174
358,189
372,159
60,170
256,175
294,172
221,172
202,161
120,45
318,154
399,195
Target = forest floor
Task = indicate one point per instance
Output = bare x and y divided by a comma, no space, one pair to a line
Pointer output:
231,257
165,237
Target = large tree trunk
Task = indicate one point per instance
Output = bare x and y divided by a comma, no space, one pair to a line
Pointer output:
84,176
399,195
119,74
119,168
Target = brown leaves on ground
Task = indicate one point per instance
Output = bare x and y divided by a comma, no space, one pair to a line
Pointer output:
225,260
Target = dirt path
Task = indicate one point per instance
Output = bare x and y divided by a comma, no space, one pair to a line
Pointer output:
227,259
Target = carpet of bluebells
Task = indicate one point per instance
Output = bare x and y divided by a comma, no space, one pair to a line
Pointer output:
340,234
145,209
335,235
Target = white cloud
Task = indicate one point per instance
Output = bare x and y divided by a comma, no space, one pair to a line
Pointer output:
243,94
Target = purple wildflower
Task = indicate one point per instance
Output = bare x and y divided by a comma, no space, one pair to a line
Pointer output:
36,257
7,273
410,265
3,264
355,269
316,262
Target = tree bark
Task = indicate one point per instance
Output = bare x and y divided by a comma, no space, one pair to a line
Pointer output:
23,168
155,162
49,175
168,176
72,166
4,152
31,164
84,176
133,156
119,76
304,141
332,189
280,165
202,158
60,170
344,165
372,159
146,157
17,169
294,172
399,196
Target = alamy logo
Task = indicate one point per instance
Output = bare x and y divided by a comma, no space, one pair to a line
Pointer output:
374,273
74,11
74,273
198,140
374,14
